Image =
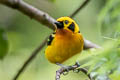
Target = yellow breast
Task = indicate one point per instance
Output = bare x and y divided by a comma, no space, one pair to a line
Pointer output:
64,45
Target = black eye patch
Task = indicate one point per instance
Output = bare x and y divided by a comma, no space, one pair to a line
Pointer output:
72,27
66,21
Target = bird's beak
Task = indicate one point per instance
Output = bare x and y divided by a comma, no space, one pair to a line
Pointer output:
59,25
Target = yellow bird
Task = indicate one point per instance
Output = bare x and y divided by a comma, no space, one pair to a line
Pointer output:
65,42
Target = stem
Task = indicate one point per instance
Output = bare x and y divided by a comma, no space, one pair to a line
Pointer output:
79,8
30,59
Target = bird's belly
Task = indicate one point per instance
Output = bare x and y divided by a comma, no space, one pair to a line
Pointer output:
63,49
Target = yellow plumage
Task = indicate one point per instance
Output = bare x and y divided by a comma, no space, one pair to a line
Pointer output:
67,41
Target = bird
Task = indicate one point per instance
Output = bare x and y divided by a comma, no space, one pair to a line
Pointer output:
65,42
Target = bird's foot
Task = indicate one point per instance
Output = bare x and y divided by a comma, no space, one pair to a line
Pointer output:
76,65
65,69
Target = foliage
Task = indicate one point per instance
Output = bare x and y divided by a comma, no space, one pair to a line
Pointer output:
109,19
105,65
3,43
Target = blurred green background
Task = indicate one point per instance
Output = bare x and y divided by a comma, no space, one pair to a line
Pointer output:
22,35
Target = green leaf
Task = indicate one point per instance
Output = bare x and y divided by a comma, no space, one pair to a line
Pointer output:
109,19
3,43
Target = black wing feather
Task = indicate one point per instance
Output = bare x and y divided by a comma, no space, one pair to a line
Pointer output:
51,37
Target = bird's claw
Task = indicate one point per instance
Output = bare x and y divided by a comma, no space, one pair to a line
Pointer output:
77,64
66,70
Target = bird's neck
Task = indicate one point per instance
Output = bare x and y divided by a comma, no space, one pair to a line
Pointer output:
63,32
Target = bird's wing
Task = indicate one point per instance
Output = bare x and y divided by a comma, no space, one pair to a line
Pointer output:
50,39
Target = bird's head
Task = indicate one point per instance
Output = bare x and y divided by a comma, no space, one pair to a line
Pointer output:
66,23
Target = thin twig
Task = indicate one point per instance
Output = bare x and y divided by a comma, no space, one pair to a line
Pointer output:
75,69
33,55
80,8
85,71
89,45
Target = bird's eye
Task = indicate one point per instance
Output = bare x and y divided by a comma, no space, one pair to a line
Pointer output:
66,21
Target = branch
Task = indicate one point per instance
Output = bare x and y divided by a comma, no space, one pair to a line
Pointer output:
33,55
30,11
80,8
88,45
69,68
